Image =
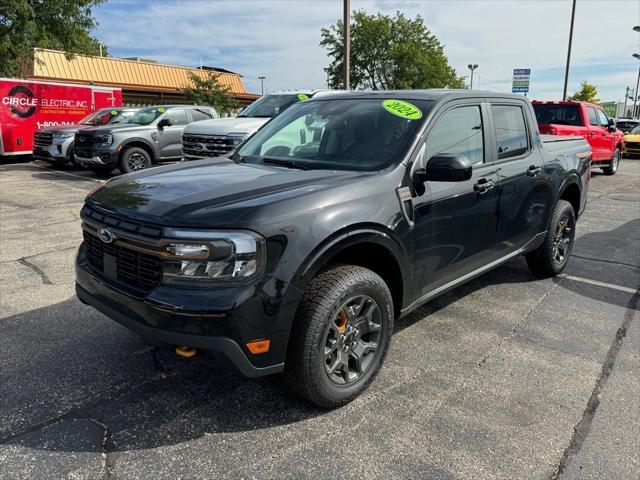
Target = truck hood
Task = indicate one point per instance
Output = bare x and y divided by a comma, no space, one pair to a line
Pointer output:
211,193
65,129
224,126
118,128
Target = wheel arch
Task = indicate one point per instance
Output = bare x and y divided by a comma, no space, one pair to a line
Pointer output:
571,191
365,246
139,143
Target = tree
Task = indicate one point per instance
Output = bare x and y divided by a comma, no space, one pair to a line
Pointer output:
588,93
209,91
56,24
388,53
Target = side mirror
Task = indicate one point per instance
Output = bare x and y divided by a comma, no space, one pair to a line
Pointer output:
612,125
445,167
165,122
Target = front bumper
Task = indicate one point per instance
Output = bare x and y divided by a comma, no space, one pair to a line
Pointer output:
54,153
221,324
102,157
631,149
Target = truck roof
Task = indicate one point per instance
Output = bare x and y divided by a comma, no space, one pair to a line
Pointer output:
429,94
564,102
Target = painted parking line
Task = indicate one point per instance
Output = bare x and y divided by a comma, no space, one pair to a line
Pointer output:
612,286
69,174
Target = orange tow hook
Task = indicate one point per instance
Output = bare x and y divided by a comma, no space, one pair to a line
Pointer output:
186,351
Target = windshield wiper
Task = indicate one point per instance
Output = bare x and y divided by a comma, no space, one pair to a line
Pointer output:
285,163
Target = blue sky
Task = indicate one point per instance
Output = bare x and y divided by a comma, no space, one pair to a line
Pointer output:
279,38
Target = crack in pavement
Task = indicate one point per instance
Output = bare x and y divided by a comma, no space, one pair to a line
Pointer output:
36,269
104,449
613,262
582,429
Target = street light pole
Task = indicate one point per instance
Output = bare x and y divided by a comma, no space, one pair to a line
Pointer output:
626,97
472,67
566,71
261,85
347,42
636,111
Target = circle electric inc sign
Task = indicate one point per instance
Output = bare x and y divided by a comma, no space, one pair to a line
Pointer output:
21,101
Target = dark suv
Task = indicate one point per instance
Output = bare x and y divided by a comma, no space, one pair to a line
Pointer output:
337,217
152,134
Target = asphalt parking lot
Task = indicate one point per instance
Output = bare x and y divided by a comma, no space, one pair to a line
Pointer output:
506,377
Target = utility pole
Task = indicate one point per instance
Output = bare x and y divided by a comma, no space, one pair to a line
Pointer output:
566,72
626,97
347,43
261,85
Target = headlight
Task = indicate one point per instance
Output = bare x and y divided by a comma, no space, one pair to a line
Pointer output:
104,140
205,257
238,138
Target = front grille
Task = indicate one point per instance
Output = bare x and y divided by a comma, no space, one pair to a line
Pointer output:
108,219
207,145
42,139
87,139
633,145
132,268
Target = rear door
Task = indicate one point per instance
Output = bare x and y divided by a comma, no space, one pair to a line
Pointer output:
455,222
523,196
596,137
170,137
607,138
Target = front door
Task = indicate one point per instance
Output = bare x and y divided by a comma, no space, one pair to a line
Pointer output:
524,194
170,137
455,222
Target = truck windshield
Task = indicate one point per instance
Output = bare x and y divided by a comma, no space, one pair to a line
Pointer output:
340,134
558,114
106,116
271,105
635,131
145,116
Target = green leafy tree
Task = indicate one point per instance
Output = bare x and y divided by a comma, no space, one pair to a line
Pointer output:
388,53
588,93
209,91
56,24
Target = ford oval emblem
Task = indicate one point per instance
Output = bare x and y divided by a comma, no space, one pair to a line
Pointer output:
81,139
106,235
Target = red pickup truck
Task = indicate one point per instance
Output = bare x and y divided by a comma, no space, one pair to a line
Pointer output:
587,120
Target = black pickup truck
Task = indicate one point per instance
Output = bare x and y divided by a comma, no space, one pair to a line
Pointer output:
343,213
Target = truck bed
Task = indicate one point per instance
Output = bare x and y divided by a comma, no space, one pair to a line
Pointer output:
562,144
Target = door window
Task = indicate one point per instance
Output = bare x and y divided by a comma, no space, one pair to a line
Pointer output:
593,117
178,116
458,131
602,119
511,130
201,114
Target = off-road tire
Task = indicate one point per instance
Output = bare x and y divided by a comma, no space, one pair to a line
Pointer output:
126,160
542,261
615,162
305,363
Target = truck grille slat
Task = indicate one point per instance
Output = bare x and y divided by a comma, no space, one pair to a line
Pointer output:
93,215
42,139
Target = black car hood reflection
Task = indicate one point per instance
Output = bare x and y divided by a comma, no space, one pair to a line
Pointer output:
211,193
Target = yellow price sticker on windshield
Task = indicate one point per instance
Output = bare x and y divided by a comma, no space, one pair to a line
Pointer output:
161,109
114,112
402,109
302,97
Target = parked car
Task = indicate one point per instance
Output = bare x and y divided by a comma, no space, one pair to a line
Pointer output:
587,120
632,142
299,259
55,144
219,136
28,105
151,135
625,125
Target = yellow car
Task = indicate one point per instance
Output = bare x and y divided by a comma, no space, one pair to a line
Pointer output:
631,143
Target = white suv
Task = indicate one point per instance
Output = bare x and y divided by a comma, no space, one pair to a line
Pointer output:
216,137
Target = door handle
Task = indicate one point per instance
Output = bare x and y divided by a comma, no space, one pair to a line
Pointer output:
483,186
591,134
534,171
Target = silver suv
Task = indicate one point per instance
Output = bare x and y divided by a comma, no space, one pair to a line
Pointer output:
151,135
55,144
213,138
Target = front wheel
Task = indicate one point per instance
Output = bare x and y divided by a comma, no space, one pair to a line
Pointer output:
340,337
134,159
553,255
613,166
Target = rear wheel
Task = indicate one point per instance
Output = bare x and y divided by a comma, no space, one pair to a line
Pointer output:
613,166
553,255
340,337
134,159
